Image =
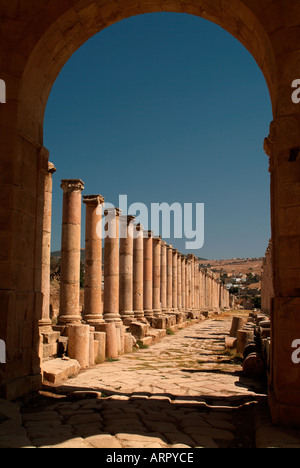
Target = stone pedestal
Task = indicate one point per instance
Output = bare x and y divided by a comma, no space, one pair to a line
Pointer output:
111,344
79,344
93,307
138,254
101,351
111,266
126,267
45,321
70,252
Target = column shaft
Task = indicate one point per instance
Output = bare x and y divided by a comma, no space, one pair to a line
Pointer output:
163,278
111,266
46,247
179,289
138,273
148,274
93,307
70,252
183,296
156,276
174,281
169,277
126,267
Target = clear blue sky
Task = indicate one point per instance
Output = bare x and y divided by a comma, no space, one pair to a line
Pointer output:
167,108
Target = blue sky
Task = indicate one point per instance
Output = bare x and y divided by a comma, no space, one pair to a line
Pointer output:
169,108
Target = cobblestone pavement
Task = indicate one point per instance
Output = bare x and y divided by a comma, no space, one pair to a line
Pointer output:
184,392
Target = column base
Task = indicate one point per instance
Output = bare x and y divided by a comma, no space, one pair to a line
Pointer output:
127,315
93,320
112,318
45,326
157,313
139,314
69,319
148,313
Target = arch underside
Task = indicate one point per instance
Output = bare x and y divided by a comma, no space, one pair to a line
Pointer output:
78,24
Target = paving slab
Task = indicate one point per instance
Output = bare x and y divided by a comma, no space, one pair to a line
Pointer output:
181,392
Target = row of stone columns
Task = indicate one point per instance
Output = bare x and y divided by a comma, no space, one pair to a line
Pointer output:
144,277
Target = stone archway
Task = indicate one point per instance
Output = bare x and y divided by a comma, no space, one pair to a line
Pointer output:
39,39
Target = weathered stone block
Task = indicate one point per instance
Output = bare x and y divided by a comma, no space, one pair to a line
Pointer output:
128,343
139,330
100,337
59,370
171,320
159,322
51,337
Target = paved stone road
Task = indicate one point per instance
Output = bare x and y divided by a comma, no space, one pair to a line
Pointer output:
182,392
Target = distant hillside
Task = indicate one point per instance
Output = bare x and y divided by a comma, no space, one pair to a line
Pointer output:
236,265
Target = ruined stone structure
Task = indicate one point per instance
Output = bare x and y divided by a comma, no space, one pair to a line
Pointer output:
39,38
134,295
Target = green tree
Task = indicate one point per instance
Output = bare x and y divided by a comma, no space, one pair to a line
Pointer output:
82,275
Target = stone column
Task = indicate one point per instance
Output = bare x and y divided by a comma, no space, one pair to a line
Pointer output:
179,287
192,258
45,321
163,277
169,277
206,289
138,273
210,290
187,285
202,290
126,267
111,266
197,286
174,281
190,290
70,252
148,274
183,295
195,282
221,295
93,307
157,309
